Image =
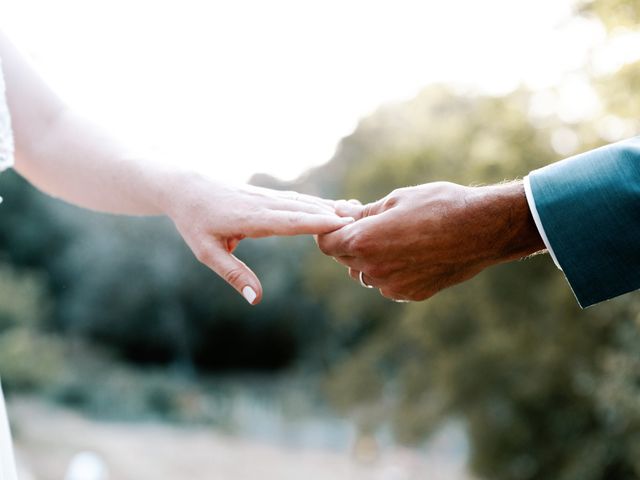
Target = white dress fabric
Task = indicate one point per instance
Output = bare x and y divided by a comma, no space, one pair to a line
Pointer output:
7,463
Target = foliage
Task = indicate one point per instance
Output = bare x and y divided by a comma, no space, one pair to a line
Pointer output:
132,285
615,14
29,358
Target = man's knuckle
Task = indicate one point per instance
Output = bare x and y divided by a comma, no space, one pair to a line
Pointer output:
395,196
353,245
358,244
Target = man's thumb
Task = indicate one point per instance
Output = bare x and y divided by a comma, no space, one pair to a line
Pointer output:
373,208
351,208
355,209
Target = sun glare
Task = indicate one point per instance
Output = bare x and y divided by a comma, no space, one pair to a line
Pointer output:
233,88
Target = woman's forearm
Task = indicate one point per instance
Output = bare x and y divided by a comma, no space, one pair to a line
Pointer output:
75,161
68,157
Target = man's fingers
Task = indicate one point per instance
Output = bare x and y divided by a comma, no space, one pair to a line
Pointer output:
351,262
363,279
354,274
335,244
374,208
233,271
354,240
355,209
367,282
393,296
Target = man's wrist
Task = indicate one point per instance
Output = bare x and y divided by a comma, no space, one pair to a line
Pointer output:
510,230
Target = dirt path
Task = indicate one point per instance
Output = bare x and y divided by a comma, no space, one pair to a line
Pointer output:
47,438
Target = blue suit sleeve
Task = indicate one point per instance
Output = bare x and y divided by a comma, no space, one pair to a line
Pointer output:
589,207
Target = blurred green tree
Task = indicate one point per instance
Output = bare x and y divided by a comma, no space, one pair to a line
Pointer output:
546,390
133,286
29,358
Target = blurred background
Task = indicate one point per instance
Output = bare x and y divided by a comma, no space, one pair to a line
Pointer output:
115,342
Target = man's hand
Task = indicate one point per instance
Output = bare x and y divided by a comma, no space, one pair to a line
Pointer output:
420,240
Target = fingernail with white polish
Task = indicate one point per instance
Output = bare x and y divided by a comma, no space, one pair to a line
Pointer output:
249,294
348,219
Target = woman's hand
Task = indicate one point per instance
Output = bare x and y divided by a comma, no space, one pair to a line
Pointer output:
214,217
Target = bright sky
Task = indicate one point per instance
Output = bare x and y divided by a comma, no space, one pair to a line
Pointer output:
244,86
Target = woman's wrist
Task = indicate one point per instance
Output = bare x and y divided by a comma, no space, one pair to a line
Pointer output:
169,189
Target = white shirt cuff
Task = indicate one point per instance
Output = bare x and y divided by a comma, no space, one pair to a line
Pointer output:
536,218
